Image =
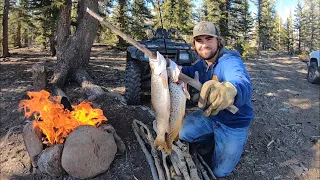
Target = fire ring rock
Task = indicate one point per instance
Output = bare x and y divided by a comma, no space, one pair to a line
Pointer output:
88,151
50,161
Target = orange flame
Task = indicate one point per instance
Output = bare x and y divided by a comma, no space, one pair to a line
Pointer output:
56,122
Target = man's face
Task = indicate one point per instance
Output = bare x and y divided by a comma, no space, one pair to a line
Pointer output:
206,46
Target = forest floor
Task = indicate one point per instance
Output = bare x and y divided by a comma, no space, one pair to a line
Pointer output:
283,140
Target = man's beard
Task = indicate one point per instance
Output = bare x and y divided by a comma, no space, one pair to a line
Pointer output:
211,55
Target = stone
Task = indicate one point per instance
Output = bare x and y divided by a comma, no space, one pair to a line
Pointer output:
121,147
32,142
296,169
50,161
88,151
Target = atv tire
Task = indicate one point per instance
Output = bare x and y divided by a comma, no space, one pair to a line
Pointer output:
133,83
313,74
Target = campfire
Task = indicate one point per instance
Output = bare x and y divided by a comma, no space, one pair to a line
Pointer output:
56,122
74,139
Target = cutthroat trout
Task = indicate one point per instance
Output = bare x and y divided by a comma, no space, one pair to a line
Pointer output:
160,98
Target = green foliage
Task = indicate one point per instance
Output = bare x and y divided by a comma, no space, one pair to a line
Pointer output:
141,15
175,14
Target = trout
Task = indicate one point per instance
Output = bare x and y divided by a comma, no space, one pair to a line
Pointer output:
160,98
178,95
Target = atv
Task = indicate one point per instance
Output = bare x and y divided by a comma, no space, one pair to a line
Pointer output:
138,74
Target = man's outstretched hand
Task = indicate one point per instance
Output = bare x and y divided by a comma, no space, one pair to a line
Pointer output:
216,96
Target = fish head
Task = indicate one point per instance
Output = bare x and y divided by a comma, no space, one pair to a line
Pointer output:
158,65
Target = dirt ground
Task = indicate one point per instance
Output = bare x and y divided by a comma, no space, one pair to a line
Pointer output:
283,140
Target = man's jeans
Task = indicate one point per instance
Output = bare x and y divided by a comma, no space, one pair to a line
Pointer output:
229,142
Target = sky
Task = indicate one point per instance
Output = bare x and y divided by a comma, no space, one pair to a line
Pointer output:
283,7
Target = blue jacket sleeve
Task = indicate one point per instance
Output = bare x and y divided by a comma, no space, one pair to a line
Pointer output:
235,72
190,70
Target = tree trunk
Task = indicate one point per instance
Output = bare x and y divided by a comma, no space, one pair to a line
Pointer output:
5,29
73,51
18,37
121,21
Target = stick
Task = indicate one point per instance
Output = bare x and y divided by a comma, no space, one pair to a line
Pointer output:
182,163
191,165
146,152
175,165
194,83
150,138
206,165
164,162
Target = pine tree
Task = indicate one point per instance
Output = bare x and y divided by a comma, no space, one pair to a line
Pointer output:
121,19
5,44
298,24
265,19
141,15
289,34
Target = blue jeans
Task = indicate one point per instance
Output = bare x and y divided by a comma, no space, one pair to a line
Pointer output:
228,142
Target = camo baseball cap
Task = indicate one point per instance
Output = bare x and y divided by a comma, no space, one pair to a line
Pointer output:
205,28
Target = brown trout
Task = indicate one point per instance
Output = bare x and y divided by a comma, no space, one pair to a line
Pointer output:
160,98
178,96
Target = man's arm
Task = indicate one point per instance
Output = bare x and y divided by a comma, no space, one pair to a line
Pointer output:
235,73
190,70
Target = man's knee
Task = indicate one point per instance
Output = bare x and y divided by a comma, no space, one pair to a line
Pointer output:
221,172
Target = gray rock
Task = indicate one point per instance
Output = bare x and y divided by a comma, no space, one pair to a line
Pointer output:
32,142
50,161
296,169
88,151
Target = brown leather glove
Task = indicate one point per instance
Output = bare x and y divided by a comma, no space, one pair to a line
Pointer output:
216,96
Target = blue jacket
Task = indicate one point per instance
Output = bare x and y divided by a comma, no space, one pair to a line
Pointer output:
228,67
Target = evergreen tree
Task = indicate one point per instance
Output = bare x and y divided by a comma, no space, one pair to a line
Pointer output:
121,19
5,18
298,24
265,19
289,34
311,29
177,15
141,15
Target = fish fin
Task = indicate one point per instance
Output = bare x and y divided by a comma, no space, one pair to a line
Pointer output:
164,81
162,145
215,77
186,93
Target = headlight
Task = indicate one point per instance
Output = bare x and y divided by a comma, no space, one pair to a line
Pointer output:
184,56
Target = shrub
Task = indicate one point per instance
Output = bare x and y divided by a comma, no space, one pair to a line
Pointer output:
303,56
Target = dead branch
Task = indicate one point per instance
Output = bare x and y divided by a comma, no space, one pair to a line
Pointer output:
206,166
154,153
174,162
191,164
164,162
145,151
83,78
182,163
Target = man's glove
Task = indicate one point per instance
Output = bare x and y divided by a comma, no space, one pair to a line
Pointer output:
216,96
